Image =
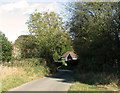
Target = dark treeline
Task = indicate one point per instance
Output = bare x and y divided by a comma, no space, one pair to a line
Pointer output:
95,28
5,48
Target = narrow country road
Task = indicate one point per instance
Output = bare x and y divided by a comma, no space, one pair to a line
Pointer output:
61,81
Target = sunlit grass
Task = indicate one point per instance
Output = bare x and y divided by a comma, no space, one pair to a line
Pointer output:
13,76
77,86
94,82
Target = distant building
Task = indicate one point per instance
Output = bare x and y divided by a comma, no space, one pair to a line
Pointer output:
16,53
69,56
25,47
16,47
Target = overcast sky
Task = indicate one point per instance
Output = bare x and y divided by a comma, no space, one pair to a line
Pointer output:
15,13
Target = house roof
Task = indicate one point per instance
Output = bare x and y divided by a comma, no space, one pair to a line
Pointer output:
71,53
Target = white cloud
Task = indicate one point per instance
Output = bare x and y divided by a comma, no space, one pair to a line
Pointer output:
42,8
26,8
11,6
13,16
52,7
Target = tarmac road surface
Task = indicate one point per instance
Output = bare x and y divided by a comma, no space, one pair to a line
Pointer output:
60,81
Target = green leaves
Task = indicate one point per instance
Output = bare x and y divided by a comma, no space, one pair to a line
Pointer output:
94,26
49,30
26,47
6,48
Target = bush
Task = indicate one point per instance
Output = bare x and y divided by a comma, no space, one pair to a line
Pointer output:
25,62
6,48
96,78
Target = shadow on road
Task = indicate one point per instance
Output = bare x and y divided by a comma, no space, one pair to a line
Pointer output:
63,76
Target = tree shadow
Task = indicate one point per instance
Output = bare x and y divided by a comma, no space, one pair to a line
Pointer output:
63,76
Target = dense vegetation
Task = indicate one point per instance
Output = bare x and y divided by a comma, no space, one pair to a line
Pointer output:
95,28
27,47
17,72
34,55
5,48
49,31
47,39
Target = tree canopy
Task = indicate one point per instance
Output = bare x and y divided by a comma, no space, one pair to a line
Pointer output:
26,47
49,30
6,48
94,28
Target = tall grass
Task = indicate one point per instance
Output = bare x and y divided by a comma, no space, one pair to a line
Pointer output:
97,78
18,72
101,80
86,80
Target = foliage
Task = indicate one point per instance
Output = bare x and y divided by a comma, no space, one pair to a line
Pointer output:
83,88
27,48
6,48
17,72
94,28
25,62
49,29
96,78
90,81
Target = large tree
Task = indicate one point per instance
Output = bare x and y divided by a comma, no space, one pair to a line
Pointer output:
95,27
49,29
6,48
25,47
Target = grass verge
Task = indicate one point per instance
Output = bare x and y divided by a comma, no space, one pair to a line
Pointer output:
15,74
77,86
94,82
